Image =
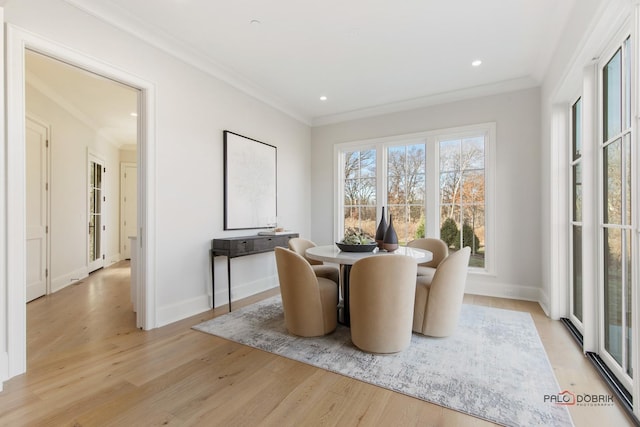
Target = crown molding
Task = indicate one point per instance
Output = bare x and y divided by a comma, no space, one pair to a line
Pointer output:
127,22
428,101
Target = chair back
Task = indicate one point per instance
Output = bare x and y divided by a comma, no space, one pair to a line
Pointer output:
300,245
382,289
446,294
303,313
437,247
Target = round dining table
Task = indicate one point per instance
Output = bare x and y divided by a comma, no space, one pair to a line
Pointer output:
332,254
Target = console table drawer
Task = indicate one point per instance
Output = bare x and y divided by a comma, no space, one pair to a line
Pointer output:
241,247
264,244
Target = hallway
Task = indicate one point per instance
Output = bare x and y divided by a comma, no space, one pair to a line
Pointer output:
88,312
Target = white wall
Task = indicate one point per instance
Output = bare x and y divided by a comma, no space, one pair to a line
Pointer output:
192,110
517,117
128,156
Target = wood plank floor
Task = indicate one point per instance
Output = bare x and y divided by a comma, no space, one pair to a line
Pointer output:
89,366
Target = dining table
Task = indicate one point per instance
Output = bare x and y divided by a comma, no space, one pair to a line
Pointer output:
332,254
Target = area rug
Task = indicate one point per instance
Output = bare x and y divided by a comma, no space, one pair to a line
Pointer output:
494,367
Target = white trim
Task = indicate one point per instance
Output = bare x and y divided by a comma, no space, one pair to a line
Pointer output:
506,86
635,179
590,208
17,41
183,309
4,238
559,206
16,222
69,279
504,290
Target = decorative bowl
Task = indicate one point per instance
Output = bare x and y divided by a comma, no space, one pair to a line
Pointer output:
357,248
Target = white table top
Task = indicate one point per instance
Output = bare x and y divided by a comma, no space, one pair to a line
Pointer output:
331,253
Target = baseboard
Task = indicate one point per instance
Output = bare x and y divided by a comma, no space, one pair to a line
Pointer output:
503,290
245,290
181,310
187,308
112,259
191,307
65,280
4,368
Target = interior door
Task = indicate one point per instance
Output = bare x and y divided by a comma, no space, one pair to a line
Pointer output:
96,220
36,209
129,206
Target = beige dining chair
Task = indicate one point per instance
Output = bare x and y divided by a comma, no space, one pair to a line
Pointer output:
382,289
310,303
439,250
438,301
300,246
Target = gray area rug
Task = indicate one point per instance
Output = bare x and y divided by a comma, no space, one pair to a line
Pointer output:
494,367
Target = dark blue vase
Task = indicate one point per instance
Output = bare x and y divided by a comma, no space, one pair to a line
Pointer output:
390,241
382,228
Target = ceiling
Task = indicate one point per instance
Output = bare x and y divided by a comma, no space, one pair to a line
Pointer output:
100,103
366,56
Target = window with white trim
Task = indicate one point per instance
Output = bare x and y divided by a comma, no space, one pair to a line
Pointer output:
433,184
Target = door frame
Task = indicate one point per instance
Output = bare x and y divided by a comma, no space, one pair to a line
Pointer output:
17,40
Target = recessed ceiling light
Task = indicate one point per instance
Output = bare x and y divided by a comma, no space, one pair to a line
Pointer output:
134,114
254,22
476,63
323,98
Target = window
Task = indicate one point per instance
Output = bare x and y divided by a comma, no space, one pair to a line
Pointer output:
406,190
433,184
462,190
360,191
617,220
576,211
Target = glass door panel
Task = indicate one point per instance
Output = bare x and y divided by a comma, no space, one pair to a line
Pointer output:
617,216
96,227
575,239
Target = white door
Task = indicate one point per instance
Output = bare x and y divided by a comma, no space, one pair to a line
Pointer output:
36,199
96,220
128,206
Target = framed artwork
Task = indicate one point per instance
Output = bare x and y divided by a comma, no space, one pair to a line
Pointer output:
250,183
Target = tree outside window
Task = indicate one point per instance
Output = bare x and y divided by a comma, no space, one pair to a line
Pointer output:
406,189
360,191
462,195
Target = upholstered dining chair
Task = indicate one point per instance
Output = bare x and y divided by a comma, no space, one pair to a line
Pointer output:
310,303
382,289
300,245
438,301
439,250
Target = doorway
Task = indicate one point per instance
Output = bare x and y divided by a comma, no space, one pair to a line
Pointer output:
17,41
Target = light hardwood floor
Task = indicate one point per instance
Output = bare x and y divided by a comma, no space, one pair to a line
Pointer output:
88,365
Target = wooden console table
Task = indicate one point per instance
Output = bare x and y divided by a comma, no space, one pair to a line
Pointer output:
233,247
